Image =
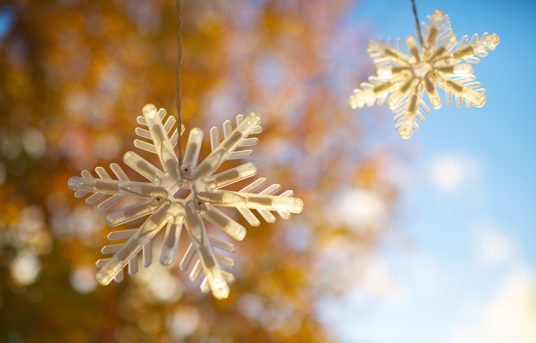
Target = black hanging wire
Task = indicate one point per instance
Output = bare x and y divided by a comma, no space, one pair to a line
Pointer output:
178,102
417,22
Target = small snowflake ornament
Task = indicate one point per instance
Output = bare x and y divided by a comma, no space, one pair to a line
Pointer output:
403,79
158,200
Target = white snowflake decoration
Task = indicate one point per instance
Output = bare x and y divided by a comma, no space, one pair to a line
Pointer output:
159,200
403,79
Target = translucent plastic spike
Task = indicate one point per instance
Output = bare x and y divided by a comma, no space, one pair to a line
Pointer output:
406,123
285,214
233,175
413,49
226,246
227,224
431,37
238,155
473,97
441,62
142,133
131,248
254,185
93,199
104,205
214,138
143,167
433,95
97,197
112,200
267,215
216,158
121,234
131,212
141,119
81,193
249,216
169,124
118,171
256,130
193,147
145,146
228,276
164,149
252,201
227,127
133,266
187,258
249,142
205,253
119,277
100,263
225,260
111,249
174,138
171,200
145,133
196,271
205,288
245,212
171,241
102,173
147,254
124,188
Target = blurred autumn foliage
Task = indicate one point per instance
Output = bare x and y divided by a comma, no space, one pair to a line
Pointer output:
73,77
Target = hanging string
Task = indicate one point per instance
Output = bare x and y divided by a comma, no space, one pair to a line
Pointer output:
178,76
417,22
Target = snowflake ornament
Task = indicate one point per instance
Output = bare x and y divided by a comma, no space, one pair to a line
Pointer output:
402,80
160,203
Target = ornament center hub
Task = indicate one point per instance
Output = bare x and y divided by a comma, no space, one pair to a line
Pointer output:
421,69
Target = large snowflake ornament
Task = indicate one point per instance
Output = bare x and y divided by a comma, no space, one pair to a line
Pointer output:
158,200
403,79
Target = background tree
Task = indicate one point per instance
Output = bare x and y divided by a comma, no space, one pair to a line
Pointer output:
73,77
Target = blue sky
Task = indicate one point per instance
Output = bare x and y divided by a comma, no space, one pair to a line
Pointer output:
6,20
469,212
471,234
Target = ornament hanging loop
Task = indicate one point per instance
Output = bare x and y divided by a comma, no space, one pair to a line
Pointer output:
178,102
417,22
